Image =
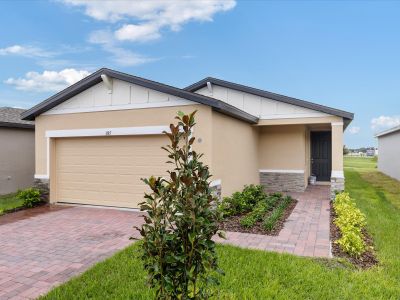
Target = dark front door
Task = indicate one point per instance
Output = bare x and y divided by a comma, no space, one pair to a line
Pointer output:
321,155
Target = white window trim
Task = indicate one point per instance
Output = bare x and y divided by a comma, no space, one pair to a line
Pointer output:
337,123
118,131
281,171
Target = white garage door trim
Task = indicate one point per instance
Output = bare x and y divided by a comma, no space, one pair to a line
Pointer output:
143,130
116,131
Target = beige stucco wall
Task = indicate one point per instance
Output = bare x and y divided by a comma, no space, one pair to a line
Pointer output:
388,159
283,147
121,118
337,146
17,159
234,153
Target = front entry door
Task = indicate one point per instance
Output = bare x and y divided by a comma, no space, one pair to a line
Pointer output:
321,155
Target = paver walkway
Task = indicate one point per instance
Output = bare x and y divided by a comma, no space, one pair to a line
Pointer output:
48,246
44,247
306,231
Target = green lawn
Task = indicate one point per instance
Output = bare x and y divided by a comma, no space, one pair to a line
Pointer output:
254,274
9,201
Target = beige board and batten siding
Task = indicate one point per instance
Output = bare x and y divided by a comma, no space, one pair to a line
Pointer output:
389,154
17,159
234,153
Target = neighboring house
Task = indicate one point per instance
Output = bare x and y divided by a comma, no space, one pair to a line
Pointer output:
389,150
372,152
98,137
17,151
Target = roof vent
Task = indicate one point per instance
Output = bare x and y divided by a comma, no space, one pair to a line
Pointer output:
108,82
209,87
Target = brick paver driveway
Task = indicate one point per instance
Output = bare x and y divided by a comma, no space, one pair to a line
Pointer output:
44,247
48,246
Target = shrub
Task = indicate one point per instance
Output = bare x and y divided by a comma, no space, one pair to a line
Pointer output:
255,215
350,221
242,202
30,197
178,251
270,222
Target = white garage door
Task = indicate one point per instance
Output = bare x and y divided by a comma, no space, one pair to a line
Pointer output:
107,170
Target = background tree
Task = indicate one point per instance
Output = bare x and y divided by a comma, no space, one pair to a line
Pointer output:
178,252
345,150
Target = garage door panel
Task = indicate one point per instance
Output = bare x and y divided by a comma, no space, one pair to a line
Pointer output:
107,170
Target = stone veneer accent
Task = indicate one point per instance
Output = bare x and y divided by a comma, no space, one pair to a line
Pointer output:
337,184
282,181
44,187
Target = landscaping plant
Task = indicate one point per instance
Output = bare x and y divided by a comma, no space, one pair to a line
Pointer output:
177,250
270,221
30,197
254,207
350,221
243,201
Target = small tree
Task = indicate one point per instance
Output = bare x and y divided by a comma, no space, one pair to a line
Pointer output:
178,252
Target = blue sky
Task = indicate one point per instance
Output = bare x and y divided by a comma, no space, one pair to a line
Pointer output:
340,54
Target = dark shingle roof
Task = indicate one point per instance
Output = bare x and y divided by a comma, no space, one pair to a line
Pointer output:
11,117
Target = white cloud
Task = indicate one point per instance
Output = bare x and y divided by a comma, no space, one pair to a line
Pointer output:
48,81
127,58
384,122
27,51
119,55
144,20
142,32
354,130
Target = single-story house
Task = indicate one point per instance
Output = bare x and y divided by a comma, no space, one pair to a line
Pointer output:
98,137
17,151
389,150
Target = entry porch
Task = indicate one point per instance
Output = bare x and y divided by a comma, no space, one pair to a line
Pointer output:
293,150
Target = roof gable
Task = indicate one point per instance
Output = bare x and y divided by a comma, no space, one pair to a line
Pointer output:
96,78
272,96
124,95
261,107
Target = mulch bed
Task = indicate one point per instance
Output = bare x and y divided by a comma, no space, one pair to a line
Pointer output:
233,223
366,260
